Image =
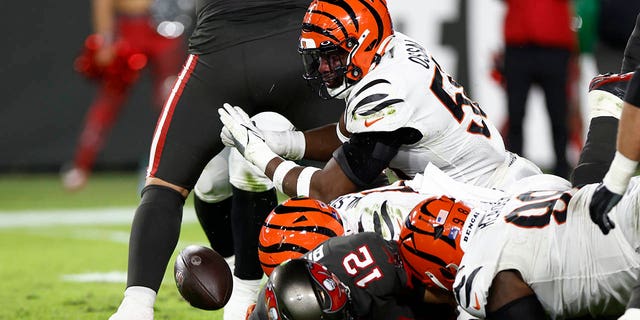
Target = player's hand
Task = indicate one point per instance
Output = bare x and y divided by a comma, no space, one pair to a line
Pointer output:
289,144
247,139
601,203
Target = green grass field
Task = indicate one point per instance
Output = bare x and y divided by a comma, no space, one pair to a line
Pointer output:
64,255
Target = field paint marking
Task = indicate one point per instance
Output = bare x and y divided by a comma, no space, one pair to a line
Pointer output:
112,277
70,217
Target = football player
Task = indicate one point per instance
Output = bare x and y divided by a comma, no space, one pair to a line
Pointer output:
601,160
126,36
402,111
351,277
535,253
523,254
239,51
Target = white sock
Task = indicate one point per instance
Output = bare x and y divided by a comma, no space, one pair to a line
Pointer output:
141,296
231,261
245,293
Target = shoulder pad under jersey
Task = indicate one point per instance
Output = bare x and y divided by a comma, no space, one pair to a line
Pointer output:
376,104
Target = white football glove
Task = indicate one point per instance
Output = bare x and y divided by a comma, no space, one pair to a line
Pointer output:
289,144
247,139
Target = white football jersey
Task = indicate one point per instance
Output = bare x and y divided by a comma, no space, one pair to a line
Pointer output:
540,226
383,210
409,89
549,238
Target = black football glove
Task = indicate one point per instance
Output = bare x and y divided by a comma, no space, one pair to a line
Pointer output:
601,203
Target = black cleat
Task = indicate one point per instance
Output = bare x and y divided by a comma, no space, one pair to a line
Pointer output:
614,83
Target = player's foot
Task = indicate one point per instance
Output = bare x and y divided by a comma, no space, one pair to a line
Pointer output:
606,94
74,179
245,294
128,312
136,305
614,83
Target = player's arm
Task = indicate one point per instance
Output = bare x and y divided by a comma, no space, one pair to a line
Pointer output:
511,298
625,161
321,142
103,16
354,165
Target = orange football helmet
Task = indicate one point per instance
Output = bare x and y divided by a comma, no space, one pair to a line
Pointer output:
293,228
430,241
358,31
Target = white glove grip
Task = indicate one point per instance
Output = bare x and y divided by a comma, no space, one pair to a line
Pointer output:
289,144
619,174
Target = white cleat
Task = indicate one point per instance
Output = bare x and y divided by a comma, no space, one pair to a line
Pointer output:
136,305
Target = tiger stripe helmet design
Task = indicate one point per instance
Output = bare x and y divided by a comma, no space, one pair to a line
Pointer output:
360,28
430,241
293,228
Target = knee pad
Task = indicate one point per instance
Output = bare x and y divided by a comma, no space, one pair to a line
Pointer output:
213,184
244,175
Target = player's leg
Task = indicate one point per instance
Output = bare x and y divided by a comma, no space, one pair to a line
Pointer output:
605,105
517,75
212,202
186,138
98,122
554,80
254,196
632,51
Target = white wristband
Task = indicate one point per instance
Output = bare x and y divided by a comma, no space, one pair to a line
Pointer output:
619,174
281,171
304,181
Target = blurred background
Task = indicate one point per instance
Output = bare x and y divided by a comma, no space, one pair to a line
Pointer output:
45,100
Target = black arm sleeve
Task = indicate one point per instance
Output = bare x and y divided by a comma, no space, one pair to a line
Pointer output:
632,95
366,154
525,308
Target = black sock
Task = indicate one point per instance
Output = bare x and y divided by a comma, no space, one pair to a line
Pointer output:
248,214
215,219
598,151
154,234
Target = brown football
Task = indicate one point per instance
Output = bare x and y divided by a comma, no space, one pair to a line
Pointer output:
203,277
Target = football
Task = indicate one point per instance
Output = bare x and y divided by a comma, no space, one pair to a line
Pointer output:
203,277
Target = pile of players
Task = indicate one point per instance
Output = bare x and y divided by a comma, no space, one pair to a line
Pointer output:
470,231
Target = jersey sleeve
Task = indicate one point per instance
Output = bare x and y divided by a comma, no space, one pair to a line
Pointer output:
377,104
471,289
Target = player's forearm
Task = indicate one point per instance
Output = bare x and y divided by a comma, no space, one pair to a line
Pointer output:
321,142
103,15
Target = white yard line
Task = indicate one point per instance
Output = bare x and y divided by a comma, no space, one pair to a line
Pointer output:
46,218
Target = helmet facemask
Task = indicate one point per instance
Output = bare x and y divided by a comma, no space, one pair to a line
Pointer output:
326,69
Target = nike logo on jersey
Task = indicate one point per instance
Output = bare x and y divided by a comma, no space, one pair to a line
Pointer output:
476,305
369,122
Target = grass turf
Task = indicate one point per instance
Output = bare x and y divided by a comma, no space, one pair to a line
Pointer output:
36,261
